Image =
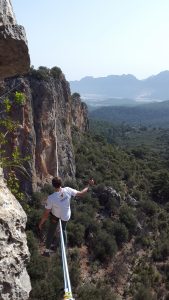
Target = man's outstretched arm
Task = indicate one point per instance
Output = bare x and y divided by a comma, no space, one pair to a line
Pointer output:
85,190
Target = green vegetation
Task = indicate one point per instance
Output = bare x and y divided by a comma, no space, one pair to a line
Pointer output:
75,96
154,114
45,73
138,171
11,161
139,137
100,292
106,220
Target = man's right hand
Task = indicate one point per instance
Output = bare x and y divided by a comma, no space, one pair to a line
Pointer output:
91,181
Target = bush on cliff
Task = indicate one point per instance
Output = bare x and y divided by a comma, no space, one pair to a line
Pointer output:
44,73
56,72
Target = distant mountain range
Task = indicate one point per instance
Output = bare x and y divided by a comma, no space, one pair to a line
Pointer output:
122,87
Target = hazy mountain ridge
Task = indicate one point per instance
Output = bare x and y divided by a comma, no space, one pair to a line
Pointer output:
124,86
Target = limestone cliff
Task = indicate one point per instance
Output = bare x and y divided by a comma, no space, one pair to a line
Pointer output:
14,254
79,113
46,121
14,57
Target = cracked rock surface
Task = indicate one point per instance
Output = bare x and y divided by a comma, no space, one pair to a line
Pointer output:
14,56
14,254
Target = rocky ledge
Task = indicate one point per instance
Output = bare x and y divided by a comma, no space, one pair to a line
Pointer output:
14,254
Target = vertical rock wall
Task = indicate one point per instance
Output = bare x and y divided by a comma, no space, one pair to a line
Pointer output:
14,56
79,114
46,122
14,254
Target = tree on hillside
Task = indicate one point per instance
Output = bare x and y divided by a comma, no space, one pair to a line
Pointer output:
160,189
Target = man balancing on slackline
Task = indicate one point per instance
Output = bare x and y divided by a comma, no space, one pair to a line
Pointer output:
58,207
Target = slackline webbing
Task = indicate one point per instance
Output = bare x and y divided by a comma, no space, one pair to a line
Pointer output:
67,284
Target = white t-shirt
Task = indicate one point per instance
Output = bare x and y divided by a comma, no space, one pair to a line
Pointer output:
59,203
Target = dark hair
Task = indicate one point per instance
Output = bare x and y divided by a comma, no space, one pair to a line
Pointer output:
56,182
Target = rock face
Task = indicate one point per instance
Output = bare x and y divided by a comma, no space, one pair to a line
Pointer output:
14,280
14,254
14,57
45,131
79,114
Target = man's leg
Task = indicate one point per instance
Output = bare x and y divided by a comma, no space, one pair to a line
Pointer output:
51,231
64,223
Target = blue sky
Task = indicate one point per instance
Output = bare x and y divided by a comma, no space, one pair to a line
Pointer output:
97,37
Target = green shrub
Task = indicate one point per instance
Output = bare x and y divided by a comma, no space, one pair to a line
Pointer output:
76,234
149,207
42,73
127,217
143,293
75,274
160,189
143,240
34,217
47,189
71,183
99,292
75,96
161,251
75,255
104,246
56,72
106,199
32,242
121,233
37,267
38,199
19,98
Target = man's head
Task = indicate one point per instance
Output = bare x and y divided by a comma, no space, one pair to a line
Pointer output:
56,182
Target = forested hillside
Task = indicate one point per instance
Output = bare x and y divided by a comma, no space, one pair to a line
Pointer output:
155,114
119,233
128,136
